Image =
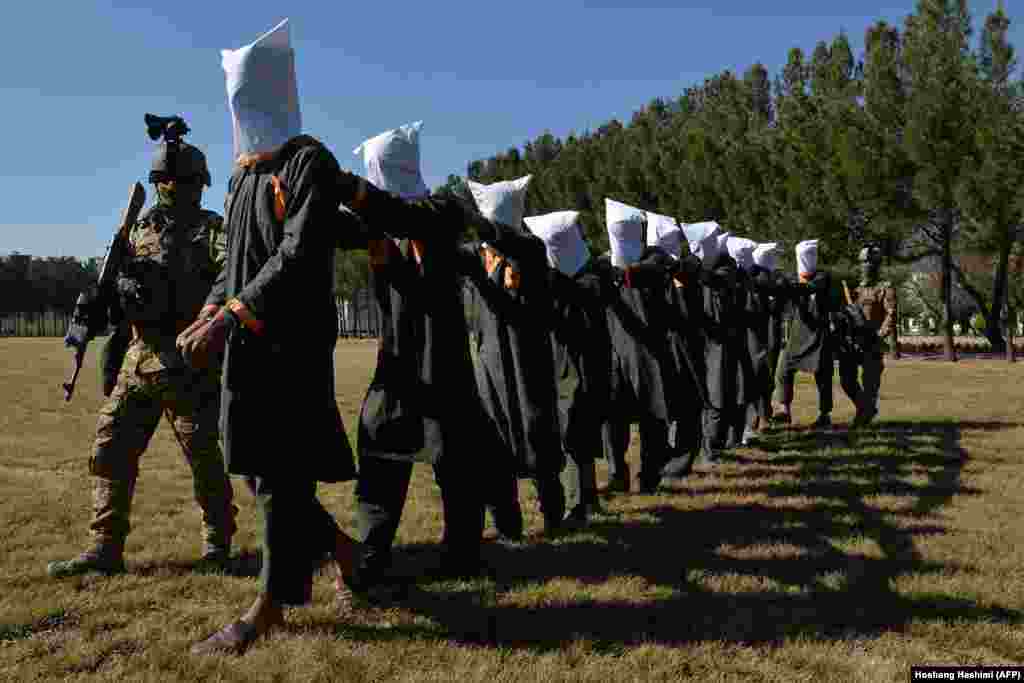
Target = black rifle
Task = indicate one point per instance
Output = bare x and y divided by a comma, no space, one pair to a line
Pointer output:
90,316
853,332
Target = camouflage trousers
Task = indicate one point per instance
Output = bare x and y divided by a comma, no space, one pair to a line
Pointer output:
190,401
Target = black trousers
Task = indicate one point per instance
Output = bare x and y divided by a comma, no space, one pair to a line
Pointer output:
581,443
579,480
653,447
873,362
823,378
298,533
504,502
380,497
722,427
684,436
764,406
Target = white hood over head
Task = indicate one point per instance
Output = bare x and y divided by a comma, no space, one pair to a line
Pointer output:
503,202
560,231
263,96
766,255
664,232
625,232
703,240
807,256
742,251
393,161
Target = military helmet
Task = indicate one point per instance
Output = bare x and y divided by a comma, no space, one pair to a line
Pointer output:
871,254
184,164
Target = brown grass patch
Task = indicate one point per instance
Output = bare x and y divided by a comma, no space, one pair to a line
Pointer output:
818,556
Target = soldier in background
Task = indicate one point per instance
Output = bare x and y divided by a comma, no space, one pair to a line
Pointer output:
877,299
175,251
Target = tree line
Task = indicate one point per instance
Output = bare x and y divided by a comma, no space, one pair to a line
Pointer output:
917,145
30,284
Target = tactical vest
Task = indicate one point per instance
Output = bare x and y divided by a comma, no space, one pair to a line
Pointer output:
175,264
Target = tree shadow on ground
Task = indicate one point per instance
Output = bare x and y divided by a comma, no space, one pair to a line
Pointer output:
243,564
757,572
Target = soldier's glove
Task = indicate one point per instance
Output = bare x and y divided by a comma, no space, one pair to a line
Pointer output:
89,319
207,340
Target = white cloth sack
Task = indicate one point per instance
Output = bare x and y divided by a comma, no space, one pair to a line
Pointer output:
625,225
263,96
393,161
664,232
561,233
703,240
766,255
807,256
742,251
502,202
723,240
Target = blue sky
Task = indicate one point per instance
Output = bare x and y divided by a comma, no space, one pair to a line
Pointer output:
483,76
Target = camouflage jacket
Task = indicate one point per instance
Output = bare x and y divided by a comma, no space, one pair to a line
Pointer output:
175,263
878,302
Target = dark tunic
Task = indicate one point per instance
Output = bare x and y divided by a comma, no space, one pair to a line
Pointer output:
422,404
766,302
687,337
643,370
808,316
756,314
583,357
515,362
726,357
279,417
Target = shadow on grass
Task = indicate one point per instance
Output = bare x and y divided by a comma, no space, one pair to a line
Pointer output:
244,564
718,572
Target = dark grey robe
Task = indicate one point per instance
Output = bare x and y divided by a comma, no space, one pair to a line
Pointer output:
583,357
283,271
515,362
808,318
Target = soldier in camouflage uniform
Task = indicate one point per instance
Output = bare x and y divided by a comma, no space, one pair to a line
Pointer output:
877,299
175,251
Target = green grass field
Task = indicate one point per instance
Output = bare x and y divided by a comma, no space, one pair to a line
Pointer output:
819,557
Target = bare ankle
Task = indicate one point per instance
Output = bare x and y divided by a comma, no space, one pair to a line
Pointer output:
264,613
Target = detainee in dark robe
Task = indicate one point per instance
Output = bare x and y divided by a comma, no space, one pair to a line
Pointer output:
276,317
510,304
748,388
808,348
422,404
687,339
728,378
765,298
582,351
643,374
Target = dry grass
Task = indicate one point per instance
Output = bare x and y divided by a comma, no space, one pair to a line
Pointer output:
831,556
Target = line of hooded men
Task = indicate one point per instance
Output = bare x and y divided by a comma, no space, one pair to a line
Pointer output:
424,403
284,221
720,332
